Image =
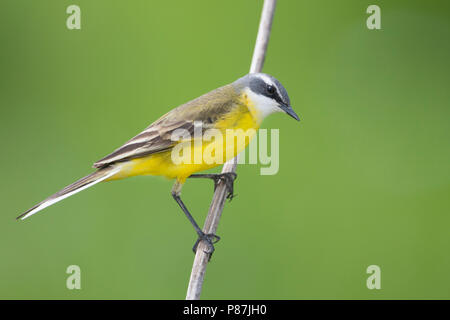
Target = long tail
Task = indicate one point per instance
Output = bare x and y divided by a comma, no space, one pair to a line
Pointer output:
70,190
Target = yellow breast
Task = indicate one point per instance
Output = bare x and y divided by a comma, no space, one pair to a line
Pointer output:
230,136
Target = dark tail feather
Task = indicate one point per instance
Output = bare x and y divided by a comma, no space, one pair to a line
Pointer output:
70,190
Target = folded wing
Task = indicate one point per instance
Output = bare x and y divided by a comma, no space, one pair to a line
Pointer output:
157,137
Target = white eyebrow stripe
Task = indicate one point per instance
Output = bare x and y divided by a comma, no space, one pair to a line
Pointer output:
268,80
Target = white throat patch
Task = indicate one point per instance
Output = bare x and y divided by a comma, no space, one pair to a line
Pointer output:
263,105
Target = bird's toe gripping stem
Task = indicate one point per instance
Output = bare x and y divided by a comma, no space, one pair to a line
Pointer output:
210,240
228,178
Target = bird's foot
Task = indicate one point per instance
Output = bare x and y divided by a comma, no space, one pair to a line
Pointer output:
228,178
210,239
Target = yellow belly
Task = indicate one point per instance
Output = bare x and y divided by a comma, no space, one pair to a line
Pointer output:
243,126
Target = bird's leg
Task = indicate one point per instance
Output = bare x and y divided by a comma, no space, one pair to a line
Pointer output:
210,239
227,177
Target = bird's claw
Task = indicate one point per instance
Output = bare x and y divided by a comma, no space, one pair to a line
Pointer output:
210,239
228,178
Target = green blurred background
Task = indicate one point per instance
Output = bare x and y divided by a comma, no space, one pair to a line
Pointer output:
364,178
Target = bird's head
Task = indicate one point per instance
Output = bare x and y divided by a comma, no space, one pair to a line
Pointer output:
266,94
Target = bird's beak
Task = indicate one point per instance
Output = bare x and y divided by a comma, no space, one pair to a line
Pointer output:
288,109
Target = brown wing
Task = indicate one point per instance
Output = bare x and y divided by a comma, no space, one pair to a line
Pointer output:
157,137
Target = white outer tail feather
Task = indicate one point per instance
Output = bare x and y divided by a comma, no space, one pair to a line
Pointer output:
50,202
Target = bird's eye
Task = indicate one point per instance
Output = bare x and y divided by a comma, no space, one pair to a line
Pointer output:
270,89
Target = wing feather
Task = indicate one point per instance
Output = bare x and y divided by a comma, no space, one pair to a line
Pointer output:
157,137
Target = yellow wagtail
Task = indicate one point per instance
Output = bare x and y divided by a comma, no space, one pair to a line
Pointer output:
240,106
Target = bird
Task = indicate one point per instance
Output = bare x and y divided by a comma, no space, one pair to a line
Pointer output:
241,106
